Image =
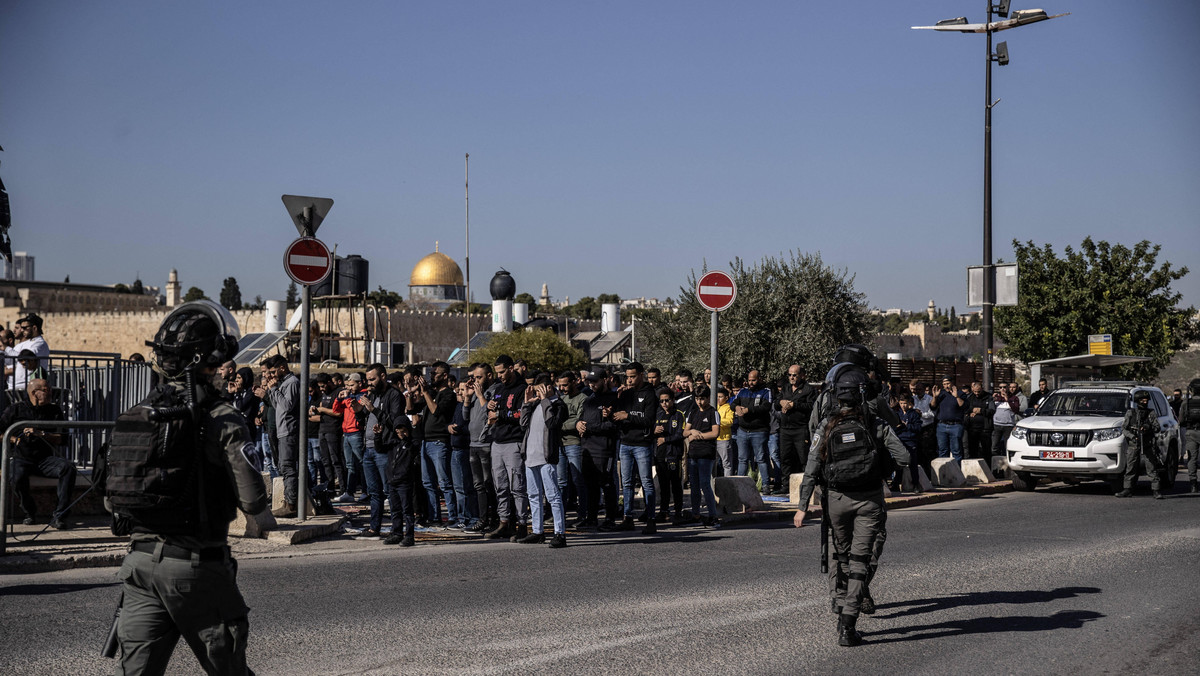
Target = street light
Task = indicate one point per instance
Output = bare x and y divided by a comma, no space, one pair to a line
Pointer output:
960,25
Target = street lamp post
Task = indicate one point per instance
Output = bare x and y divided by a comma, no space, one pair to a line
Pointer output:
960,25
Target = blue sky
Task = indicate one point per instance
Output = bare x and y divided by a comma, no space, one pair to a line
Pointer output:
614,146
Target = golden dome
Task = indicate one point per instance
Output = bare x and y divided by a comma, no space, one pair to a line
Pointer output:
436,269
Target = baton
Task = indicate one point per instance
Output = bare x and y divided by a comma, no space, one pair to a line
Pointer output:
110,644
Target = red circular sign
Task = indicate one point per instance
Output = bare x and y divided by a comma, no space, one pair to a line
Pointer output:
307,261
716,291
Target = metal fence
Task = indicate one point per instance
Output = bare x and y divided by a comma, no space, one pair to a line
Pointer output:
89,387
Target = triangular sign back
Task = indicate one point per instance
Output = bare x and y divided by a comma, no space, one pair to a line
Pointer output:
295,205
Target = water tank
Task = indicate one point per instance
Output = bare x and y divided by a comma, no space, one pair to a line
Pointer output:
610,317
503,286
275,316
352,275
502,316
520,313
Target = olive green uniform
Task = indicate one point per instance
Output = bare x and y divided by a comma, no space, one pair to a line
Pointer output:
858,520
1140,428
186,586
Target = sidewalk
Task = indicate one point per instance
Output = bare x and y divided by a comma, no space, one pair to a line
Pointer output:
90,544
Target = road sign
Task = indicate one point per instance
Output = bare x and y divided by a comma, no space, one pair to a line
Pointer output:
1100,343
716,291
307,261
307,222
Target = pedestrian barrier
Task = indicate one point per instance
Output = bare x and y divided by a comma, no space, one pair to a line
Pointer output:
977,472
946,473
907,484
4,458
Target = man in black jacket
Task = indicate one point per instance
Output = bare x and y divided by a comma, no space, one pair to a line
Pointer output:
637,406
33,452
389,431
598,436
796,398
505,399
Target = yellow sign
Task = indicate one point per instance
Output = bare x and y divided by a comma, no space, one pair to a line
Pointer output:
1100,344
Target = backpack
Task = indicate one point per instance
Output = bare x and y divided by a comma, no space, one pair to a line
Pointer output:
1192,420
154,478
854,459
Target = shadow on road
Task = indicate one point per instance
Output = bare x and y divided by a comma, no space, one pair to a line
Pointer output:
918,606
47,589
1063,619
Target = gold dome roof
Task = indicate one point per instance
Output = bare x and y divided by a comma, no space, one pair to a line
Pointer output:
436,269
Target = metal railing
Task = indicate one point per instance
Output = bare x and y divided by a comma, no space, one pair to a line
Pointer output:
7,471
88,386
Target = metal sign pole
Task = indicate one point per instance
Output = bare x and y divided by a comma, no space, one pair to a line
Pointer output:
714,382
302,400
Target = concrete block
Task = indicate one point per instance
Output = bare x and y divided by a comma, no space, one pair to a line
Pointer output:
907,485
1000,466
268,483
243,526
737,494
946,473
887,490
294,532
794,493
277,496
977,472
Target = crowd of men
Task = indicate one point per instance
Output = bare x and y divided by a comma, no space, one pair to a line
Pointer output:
488,451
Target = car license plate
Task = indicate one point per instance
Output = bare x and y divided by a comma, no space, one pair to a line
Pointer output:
1058,455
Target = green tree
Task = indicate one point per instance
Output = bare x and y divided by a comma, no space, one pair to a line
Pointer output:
231,295
584,308
137,287
608,298
542,349
194,293
293,296
791,309
258,304
384,298
476,308
120,288
526,298
1101,288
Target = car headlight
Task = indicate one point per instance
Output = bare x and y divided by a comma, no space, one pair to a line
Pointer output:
1018,433
1108,433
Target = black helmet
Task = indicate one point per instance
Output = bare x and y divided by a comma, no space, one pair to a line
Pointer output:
856,354
850,384
195,335
1194,386
1141,395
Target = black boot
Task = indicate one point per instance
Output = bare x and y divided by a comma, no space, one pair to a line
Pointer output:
848,636
519,533
502,531
1196,487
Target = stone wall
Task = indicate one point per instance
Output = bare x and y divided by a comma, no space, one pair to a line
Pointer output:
925,340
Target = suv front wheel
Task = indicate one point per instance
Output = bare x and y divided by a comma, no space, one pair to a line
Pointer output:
1023,481
1166,477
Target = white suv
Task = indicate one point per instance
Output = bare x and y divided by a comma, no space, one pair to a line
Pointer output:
1076,435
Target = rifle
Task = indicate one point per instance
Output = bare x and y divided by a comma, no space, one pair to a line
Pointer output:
824,530
110,644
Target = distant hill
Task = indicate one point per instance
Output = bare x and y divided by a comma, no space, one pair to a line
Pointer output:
1183,368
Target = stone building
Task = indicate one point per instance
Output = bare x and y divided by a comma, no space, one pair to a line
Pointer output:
436,282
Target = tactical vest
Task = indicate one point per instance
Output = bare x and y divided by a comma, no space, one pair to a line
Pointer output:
853,460
156,469
1192,421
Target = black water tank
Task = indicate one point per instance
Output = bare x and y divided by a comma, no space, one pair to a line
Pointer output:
503,286
352,275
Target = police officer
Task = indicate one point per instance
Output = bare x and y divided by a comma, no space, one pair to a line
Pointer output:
179,578
852,452
1189,418
1141,426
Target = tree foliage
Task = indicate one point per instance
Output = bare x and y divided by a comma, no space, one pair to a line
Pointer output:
231,295
292,299
791,309
542,349
194,293
1101,288
137,287
526,298
384,298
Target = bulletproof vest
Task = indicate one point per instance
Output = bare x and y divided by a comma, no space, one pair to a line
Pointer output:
853,461
1192,421
156,470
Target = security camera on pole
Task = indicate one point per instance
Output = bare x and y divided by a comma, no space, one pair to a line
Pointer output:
307,261
716,292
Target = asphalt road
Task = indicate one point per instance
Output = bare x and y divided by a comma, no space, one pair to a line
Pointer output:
1066,579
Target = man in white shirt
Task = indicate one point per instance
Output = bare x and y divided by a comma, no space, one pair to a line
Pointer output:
28,332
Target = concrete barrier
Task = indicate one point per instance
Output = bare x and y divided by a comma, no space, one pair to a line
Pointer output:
794,493
737,494
887,490
1000,466
977,472
907,484
946,473
277,496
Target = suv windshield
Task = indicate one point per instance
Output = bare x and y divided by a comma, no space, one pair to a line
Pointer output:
1085,403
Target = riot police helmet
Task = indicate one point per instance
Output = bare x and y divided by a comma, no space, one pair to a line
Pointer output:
195,335
1141,396
1194,386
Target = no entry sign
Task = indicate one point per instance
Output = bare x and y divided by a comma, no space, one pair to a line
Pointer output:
716,291
307,261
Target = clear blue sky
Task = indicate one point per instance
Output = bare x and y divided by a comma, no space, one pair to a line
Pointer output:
614,146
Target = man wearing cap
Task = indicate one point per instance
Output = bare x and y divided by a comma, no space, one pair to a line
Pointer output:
28,334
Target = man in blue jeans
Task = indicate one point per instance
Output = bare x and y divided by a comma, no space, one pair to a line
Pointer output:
435,449
752,406
949,405
637,406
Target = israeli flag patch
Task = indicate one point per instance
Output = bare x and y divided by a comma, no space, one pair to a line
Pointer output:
849,438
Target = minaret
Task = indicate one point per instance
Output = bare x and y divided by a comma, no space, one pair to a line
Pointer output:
173,295
545,299
932,310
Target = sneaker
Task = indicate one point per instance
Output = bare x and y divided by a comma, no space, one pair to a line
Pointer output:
393,539
407,541
1157,496
477,527
588,524
1124,494
365,499
627,524
57,523
607,526
533,539
368,533
558,541
650,529
28,521
343,499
